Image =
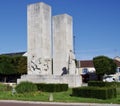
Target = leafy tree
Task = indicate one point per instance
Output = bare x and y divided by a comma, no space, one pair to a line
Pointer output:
22,65
6,66
15,60
12,65
104,65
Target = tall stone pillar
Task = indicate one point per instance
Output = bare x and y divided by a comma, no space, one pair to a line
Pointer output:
39,39
63,56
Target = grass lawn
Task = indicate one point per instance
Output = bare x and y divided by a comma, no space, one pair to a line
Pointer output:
58,97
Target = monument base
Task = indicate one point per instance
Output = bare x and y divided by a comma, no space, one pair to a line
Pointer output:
71,80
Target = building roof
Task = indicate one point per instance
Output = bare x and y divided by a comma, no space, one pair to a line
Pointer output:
86,63
14,54
89,63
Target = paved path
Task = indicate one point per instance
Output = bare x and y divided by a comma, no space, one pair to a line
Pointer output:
27,103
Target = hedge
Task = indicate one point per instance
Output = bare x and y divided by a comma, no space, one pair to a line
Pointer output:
95,92
5,87
102,84
25,87
52,87
117,84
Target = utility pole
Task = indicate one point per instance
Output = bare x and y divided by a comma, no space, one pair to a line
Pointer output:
74,43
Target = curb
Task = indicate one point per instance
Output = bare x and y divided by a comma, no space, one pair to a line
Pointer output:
59,103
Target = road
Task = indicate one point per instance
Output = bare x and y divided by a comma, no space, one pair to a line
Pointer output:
25,103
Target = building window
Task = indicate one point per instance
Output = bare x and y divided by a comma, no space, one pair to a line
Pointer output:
84,71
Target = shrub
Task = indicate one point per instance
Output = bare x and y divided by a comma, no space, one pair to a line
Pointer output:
117,84
5,87
102,84
24,87
52,87
94,92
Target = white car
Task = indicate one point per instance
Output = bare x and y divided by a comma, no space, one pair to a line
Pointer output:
109,78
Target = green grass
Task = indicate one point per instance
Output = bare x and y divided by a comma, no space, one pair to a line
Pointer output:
58,97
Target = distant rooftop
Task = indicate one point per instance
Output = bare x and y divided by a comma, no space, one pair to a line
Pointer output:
89,63
14,54
86,63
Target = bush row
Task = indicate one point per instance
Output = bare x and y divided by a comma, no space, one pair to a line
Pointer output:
117,84
52,87
5,87
95,92
31,87
25,87
102,84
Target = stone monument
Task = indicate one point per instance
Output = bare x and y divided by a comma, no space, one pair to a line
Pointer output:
63,56
39,39
51,57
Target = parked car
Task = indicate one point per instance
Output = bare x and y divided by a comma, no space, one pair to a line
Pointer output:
109,78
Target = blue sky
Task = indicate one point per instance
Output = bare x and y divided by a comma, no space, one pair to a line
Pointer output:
96,25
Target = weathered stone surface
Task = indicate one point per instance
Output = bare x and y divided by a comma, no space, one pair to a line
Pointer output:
39,38
63,56
71,80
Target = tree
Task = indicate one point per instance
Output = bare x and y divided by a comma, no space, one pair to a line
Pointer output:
12,66
104,65
22,65
15,60
6,66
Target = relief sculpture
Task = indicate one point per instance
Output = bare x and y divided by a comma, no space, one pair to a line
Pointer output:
39,64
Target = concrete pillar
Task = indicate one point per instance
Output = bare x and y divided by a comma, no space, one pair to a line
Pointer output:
39,38
63,56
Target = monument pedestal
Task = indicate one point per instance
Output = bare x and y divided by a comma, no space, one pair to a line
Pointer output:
71,80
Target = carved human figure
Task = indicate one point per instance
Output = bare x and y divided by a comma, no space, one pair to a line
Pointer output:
35,65
71,63
45,65
39,65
